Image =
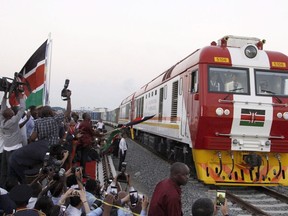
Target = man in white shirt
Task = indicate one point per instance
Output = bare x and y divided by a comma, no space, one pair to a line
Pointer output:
10,132
100,126
234,85
122,149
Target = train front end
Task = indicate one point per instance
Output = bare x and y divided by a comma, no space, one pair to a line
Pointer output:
242,134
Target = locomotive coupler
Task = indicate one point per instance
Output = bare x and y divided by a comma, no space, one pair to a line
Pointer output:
253,160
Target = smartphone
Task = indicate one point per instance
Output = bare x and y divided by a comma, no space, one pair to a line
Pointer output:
220,197
133,198
114,190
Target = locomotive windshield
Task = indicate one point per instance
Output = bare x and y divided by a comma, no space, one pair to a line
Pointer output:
228,80
271,83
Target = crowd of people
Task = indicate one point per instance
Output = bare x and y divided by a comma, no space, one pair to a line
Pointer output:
40,175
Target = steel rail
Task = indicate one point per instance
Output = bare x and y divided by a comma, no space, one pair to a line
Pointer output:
254,210
273,193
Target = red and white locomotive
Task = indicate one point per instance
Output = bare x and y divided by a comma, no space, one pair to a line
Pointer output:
223,109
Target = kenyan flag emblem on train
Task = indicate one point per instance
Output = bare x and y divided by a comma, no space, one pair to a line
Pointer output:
252,117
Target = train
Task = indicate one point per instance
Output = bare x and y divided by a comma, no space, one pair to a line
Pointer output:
221,110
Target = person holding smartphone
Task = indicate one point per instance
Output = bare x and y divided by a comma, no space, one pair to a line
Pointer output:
205,206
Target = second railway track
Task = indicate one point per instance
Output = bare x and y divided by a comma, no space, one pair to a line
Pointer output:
257,201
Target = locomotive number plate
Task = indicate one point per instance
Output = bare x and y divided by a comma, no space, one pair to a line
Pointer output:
221,59
279,64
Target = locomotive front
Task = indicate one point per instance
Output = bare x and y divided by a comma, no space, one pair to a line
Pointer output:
241,136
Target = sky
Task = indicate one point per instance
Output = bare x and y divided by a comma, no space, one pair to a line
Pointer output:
111,48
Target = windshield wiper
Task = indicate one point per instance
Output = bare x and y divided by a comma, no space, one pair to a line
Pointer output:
236,89
273,93
233,90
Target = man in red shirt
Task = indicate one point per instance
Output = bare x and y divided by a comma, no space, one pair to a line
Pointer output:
166,199
87,136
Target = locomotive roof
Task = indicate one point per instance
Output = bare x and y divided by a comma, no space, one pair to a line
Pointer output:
203,55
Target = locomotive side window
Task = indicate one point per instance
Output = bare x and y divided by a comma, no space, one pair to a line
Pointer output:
165,92
127,110
180,86
140,103
271,83
194,82
160,114
174,104
228,80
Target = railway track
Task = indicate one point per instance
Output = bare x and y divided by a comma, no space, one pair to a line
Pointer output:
105,169
257,201
247,201
242,201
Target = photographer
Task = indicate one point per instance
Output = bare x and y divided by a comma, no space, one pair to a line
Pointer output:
77,201
205,206
46,131
123,176
121,202
10,132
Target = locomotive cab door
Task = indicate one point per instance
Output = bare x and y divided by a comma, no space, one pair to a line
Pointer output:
190,96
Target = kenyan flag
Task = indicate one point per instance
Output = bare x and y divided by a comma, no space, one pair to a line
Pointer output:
34,78
252,117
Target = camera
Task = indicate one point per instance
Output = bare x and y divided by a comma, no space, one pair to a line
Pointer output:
4,84
75,193
75,169
52,162
123,166
114,190
16,84
122,177
65,90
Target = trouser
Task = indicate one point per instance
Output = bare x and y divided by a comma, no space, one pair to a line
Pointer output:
73,152
121,160
5,167
116,147
84,157
27,157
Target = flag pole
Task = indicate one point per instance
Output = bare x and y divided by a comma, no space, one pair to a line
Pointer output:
48,71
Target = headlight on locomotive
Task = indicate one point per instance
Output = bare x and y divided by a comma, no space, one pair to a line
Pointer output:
219,111
285,115
250,51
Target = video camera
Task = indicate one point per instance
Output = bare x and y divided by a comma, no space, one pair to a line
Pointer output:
52,162
65,90
16,84
123,176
